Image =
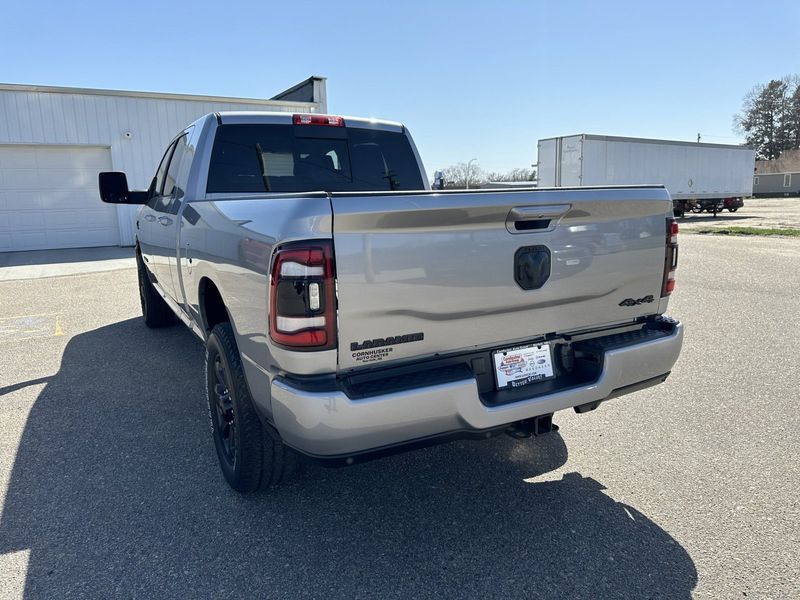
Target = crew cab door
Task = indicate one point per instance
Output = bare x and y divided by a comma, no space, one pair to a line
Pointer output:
174,196
165,206
148,227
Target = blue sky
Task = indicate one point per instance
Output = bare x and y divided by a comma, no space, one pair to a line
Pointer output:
483,80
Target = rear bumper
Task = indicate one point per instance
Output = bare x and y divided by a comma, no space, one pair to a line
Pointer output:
331,424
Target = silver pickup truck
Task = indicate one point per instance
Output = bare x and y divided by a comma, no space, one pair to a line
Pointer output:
348,311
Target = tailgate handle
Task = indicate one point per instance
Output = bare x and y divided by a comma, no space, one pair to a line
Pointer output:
522,219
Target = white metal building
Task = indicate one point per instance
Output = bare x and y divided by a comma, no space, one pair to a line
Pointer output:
55,140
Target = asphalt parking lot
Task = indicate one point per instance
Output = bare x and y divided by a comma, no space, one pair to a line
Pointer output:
109,484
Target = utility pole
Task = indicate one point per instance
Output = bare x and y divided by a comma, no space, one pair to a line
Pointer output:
469,164
698,138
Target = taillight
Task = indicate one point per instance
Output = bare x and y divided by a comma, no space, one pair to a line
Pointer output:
670,258
329,120
302,302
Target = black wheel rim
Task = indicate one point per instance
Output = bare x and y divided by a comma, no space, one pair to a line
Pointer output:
223,412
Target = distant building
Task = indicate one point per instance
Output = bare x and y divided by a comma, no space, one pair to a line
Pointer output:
776,184
55,140
788,162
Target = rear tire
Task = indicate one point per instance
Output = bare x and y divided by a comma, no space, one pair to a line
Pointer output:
733,209
251,456
155,311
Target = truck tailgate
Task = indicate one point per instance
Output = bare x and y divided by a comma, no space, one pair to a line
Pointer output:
422,274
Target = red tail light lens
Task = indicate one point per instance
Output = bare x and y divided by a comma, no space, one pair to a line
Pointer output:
670,258
302,303
329,120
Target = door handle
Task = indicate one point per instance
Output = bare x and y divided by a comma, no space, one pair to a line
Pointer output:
149,218
165,221
535,218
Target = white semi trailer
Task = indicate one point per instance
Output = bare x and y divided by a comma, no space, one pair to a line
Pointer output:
697,175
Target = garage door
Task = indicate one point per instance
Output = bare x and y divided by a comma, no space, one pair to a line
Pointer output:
49,199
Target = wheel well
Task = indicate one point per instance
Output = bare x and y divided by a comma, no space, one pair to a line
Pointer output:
212,308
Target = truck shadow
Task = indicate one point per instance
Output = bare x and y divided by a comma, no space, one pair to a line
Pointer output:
115,491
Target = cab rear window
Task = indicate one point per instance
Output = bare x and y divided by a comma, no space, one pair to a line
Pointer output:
297,158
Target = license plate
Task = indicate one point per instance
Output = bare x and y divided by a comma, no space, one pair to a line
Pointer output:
520,366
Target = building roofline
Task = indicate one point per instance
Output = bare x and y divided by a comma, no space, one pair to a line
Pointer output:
49,89
614,138
297,86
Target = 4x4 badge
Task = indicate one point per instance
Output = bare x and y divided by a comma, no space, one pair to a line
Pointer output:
631,302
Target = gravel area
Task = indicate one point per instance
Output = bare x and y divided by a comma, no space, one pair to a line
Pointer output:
756,212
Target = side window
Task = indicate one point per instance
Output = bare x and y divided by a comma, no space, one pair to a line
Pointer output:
158,180
171,180
182,178
787,180
166,199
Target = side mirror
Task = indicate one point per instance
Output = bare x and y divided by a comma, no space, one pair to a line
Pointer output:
114,189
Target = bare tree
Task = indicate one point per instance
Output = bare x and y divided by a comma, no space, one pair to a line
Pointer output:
518,174
770,117
455,176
